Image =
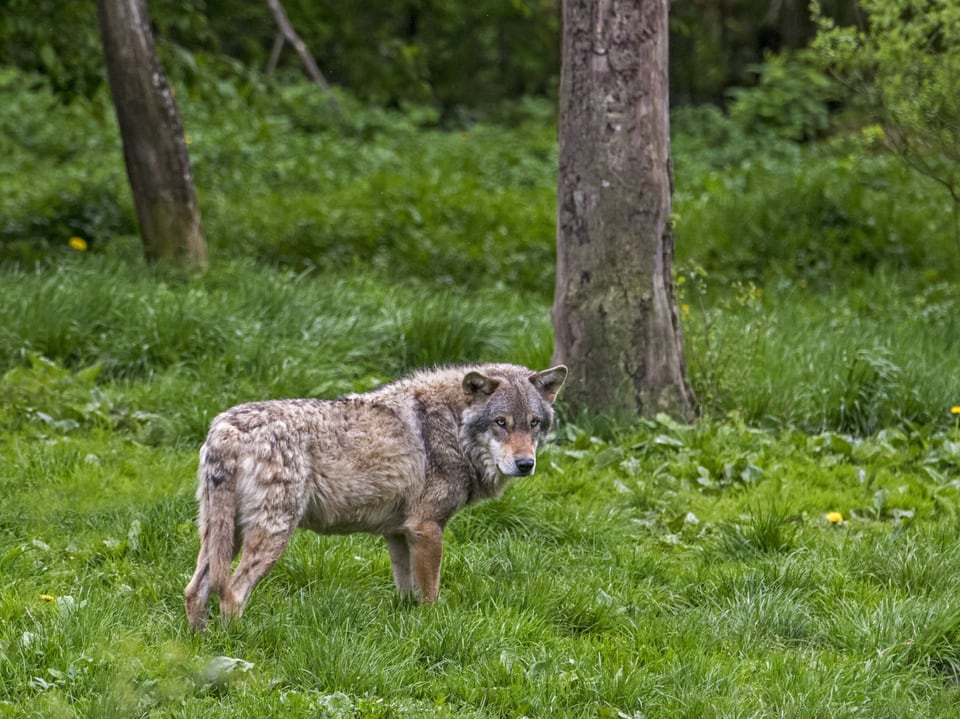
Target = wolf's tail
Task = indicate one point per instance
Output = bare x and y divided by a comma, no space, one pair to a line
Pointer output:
217,497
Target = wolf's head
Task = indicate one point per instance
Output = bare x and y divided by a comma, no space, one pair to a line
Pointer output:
509,409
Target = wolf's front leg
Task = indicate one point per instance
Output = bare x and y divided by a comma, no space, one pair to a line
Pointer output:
400,562
426,550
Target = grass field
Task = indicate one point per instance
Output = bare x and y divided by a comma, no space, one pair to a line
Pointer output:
795,553
666,572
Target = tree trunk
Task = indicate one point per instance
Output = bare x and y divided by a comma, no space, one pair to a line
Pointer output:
154,149
615,316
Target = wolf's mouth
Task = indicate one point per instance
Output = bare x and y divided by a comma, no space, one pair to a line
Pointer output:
522,467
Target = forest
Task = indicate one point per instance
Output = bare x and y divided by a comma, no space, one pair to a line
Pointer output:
789,553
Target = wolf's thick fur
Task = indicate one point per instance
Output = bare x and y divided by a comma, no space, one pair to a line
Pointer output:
398,461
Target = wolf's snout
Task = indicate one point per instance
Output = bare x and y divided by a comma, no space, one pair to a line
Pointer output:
524,465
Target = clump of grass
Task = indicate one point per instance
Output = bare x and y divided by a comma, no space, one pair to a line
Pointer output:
858,361
766,530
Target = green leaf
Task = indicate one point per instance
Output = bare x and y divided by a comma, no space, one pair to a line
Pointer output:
611,455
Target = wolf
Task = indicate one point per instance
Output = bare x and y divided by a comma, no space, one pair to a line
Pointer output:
398,461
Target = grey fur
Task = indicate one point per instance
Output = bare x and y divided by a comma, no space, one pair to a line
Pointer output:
398,461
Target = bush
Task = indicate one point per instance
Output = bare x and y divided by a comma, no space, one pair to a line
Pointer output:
65,172
903,70
792,99
822,212
368,188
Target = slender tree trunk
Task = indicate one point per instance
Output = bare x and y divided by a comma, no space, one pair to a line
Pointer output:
291,36
153,143
614,314
275,53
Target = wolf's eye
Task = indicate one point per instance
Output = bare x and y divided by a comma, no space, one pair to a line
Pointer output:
534,422
500,422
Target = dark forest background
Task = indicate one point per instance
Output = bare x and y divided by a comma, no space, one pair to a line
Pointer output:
458,56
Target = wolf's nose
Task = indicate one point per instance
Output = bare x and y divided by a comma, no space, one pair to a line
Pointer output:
524,465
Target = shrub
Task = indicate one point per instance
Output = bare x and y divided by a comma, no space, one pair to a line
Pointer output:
820,213
792,99
903,69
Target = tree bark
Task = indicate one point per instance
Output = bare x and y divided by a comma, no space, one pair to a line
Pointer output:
154,149
615,315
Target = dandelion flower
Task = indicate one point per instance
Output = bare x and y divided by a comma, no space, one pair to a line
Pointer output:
955,409
77,243
47,597
834,517
684,308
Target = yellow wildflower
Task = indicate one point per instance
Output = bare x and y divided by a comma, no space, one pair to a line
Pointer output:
77,243
834,517
47,597
955,409
685,308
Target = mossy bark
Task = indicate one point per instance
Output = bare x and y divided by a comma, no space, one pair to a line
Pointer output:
615,315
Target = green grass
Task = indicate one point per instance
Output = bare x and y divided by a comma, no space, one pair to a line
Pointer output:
651,570
877,354
657,584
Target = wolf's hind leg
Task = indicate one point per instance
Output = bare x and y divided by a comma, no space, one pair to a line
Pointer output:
426,551
400,562
261,550
197,593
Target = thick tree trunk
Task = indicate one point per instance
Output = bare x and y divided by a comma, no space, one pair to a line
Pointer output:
614,314
153,143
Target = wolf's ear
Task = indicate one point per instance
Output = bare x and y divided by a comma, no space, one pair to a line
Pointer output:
549,382
476,385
